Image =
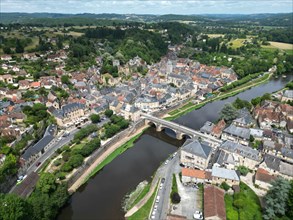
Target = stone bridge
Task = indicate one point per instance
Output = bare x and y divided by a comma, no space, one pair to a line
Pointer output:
179,130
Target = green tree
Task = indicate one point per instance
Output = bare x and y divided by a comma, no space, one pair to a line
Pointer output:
289,211
46,183
14,207
65,79
19,48
95,118
228,112
276,199
108,113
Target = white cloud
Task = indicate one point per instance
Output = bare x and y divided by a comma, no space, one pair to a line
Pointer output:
147,6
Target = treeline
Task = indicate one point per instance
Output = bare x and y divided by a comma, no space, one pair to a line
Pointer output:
117,124
280,35
44,203
239,82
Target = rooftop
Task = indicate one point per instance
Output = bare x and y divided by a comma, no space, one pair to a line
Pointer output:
195,147
224,173
214,204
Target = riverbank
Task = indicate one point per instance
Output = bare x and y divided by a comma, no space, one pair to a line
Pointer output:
111,153
188,107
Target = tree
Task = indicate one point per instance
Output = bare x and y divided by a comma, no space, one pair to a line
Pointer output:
239,104
65,79
108,113
228,112
95,118
175,197
46,183
19,48
225,186
243,170
276,198
289,211
14,207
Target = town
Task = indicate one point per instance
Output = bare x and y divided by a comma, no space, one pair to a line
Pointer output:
76,99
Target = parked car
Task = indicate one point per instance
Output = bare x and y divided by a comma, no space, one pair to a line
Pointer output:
38,164
162,180
197,216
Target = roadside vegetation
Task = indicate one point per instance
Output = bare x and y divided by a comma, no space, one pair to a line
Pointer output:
175,197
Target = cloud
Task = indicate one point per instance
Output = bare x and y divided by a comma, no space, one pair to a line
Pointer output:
148,6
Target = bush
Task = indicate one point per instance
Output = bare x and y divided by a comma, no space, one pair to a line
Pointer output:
243,170
175,197
57,162
225,186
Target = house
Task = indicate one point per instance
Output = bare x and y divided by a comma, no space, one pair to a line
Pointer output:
287,96
224,159
192,176
23,84
35,151
6,57
130,112
207,127
195,154
6,78
218,128
276,166
243,155
69,113
214,203
263,179
220,175
236,134
35,85
257,134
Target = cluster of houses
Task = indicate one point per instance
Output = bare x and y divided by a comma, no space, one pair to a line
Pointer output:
203,163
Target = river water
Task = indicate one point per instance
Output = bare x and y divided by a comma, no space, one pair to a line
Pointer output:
102,195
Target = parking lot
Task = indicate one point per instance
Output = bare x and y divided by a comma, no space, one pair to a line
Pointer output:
189,202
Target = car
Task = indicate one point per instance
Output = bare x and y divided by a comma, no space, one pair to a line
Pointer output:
158,199
66,134
155,209
174,154
167,161
162,180
154,213
153,217
197,216
38,164
198,212
156,206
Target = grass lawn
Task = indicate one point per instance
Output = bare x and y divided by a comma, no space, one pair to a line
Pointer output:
243,205
174,184
113,155
145,190
237,43
143,213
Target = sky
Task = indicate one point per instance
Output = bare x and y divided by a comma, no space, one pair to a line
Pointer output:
148,6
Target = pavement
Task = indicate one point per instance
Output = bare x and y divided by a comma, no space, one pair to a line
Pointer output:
58,142
188,204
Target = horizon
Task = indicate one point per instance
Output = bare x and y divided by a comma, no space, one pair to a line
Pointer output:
148,7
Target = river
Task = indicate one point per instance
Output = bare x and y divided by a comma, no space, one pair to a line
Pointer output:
102,195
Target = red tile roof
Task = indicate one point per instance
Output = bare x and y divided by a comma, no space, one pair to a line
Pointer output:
193,173
214,204
264,176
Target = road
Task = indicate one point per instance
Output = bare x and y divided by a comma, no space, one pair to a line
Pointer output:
57,143
165,172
